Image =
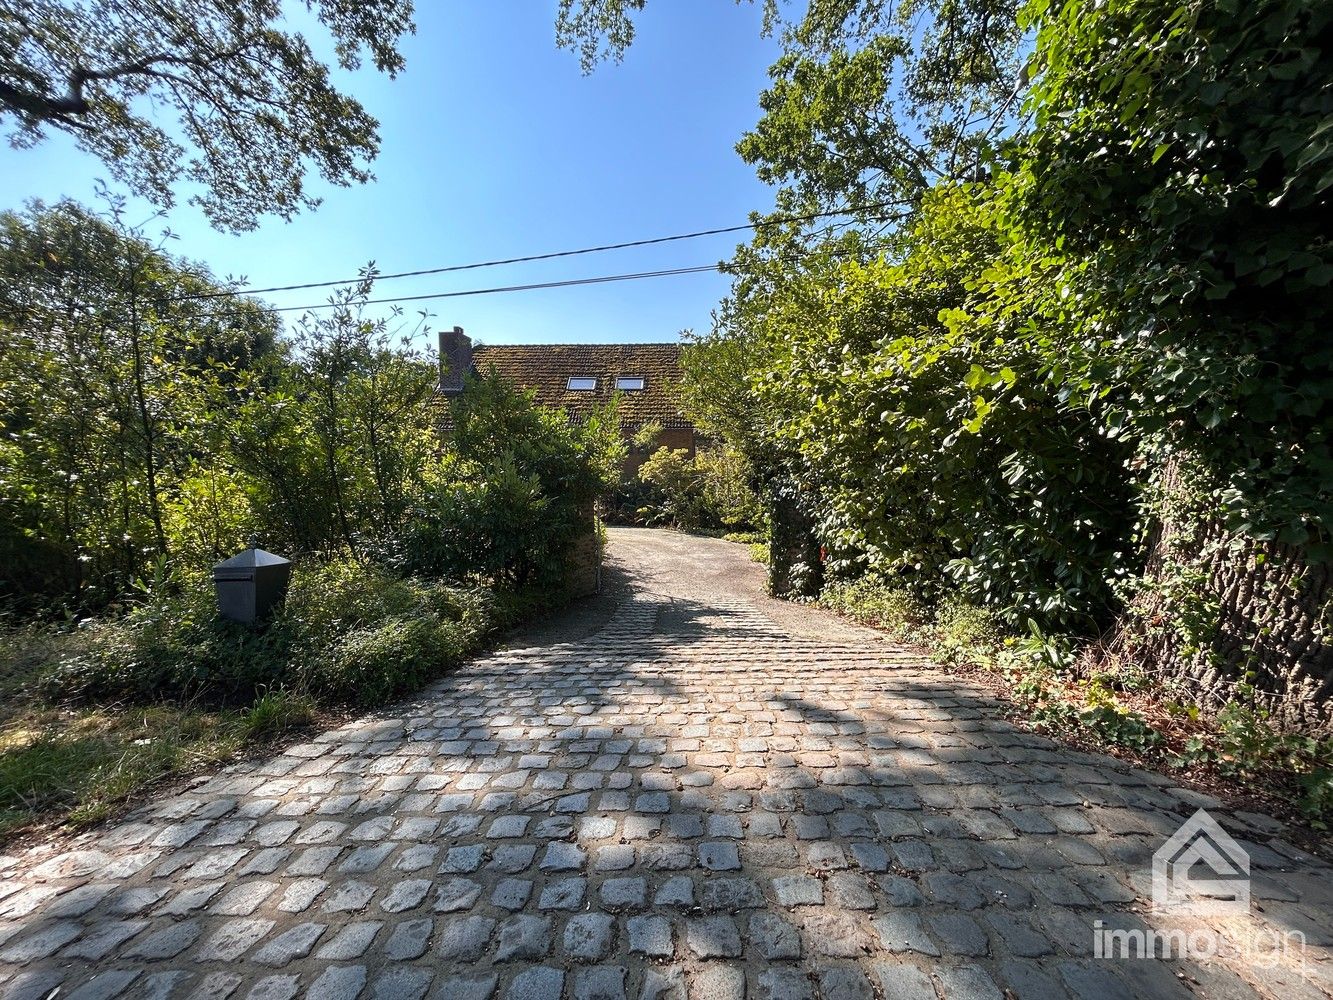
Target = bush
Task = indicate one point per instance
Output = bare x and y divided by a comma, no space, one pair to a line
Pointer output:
877,604
348,633
514,491
710,491
632,502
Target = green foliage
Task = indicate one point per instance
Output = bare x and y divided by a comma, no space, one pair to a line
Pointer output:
645,438
893,609
963,630
348,633
84,770
1244,744
984,399
1178,184
110,383
513,492
931,450
709,491
182,427
671,472
335,437
276,712
254,109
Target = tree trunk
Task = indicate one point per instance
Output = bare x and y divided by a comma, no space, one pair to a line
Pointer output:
1230,618
148,426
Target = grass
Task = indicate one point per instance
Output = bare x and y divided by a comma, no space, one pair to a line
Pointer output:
93,715
80,765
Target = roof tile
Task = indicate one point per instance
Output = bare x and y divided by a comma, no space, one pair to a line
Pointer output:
547,369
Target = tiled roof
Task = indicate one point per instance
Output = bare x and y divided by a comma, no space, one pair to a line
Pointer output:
547,368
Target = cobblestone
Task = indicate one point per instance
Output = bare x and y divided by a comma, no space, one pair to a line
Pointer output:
710,795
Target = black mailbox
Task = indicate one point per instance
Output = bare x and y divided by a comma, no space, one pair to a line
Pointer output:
251,584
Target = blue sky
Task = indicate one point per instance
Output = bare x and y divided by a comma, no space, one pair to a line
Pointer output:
495,145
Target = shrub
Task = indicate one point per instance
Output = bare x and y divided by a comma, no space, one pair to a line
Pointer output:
348,633
711,490
513,492
877,604
173,645
632,502
963,629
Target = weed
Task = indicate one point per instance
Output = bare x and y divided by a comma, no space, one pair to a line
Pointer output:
276,712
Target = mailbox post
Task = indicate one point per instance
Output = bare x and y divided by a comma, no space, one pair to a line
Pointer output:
250,584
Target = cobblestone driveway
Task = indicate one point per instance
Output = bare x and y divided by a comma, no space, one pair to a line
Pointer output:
711,796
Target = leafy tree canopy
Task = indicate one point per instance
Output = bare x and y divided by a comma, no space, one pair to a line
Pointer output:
254,107
871,102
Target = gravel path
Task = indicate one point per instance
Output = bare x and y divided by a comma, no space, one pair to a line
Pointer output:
684,789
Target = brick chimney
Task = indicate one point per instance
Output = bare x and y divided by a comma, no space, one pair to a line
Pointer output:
455,360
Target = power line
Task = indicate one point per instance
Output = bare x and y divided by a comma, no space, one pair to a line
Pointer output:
231,293
602,279
568,282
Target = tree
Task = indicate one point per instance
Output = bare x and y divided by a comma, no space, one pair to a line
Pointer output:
117,360
871,103
1177,188
255,108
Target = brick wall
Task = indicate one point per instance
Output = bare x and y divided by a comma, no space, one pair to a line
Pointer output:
584,575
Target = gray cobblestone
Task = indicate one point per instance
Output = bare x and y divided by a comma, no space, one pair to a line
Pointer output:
278,987
601,983
691,793
339,982
773,937
717,982
456,894
349,897
713,937
623,893
351,942
903,982
524,936
844,983
563,894
290,945
402,982
465,939
650,936
217,985
166,943
539,983
232,939
798,890
409,939
478,986
730,894
588,936
784,984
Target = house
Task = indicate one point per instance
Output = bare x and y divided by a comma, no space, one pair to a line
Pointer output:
578,377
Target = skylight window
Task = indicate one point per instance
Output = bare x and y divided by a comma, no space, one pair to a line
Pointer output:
629,382
581,384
